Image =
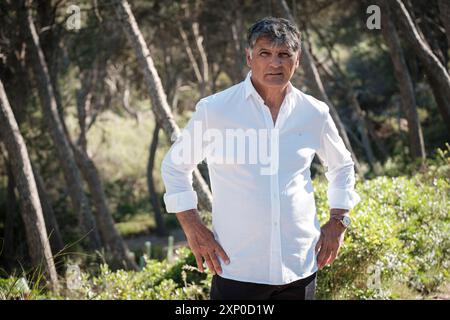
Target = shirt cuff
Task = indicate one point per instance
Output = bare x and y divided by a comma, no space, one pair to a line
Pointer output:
180,201
342,198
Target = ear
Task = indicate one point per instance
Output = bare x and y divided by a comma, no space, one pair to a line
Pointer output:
248,57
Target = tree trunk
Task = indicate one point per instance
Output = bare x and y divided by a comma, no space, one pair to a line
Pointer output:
316,85
31,211
444,10
51,223
358,115
201,71
236,29
111,238
160,106
437,74
205,87
160,226
364,133
71,172
408,100
365,126
8,248
190,54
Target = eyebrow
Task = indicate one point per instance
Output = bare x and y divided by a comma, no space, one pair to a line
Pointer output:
281,51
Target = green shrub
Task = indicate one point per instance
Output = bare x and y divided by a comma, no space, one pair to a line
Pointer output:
400,233
158,280
398,239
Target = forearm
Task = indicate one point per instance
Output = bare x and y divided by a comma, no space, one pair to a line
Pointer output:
189,219
201,241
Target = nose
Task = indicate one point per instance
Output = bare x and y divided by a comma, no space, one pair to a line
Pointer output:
276,61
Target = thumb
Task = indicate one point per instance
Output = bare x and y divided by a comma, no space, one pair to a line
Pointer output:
318,244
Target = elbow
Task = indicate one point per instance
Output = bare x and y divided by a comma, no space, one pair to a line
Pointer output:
165,167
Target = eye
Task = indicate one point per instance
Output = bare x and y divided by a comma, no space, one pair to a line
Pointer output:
264,54
285,55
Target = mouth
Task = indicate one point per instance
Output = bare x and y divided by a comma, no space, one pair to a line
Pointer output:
274,74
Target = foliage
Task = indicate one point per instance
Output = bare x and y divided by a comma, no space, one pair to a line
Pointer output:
399,238
157,280
399,233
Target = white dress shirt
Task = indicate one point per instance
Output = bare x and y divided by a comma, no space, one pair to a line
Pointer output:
263,215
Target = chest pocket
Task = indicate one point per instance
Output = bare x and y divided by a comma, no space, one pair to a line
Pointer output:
297,148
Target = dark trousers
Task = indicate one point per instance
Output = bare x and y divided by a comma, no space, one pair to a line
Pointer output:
227,289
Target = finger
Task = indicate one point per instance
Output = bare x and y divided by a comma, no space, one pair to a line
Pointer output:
324,254
318,244
216,263
222,254
327,255
198,259
338,249
209,263
321,256
332,256
332,252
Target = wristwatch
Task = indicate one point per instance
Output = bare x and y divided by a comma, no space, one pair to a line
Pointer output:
344,220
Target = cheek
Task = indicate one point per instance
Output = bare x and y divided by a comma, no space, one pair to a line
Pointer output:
258,65
291,66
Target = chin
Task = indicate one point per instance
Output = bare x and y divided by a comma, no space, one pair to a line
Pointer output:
275,83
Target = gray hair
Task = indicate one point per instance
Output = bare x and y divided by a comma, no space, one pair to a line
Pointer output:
277,30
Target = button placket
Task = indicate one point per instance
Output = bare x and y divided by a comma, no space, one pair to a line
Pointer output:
276,267
275,214
281,118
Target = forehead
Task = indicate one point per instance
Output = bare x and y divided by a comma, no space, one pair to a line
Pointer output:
267,43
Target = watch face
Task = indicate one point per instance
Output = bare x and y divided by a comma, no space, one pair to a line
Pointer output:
346,221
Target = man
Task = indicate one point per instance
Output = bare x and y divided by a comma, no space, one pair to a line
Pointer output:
266,241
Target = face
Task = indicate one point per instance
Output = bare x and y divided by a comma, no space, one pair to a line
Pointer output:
272,66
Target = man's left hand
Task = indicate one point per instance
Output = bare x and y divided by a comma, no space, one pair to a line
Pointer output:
330,241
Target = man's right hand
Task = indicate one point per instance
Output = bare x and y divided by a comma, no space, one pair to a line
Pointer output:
202,242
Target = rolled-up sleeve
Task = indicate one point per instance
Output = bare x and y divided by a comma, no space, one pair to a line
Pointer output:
181,160
340,166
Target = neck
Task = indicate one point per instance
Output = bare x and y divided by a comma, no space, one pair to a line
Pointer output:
273,96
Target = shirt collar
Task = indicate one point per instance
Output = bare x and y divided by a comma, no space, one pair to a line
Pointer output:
250,89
